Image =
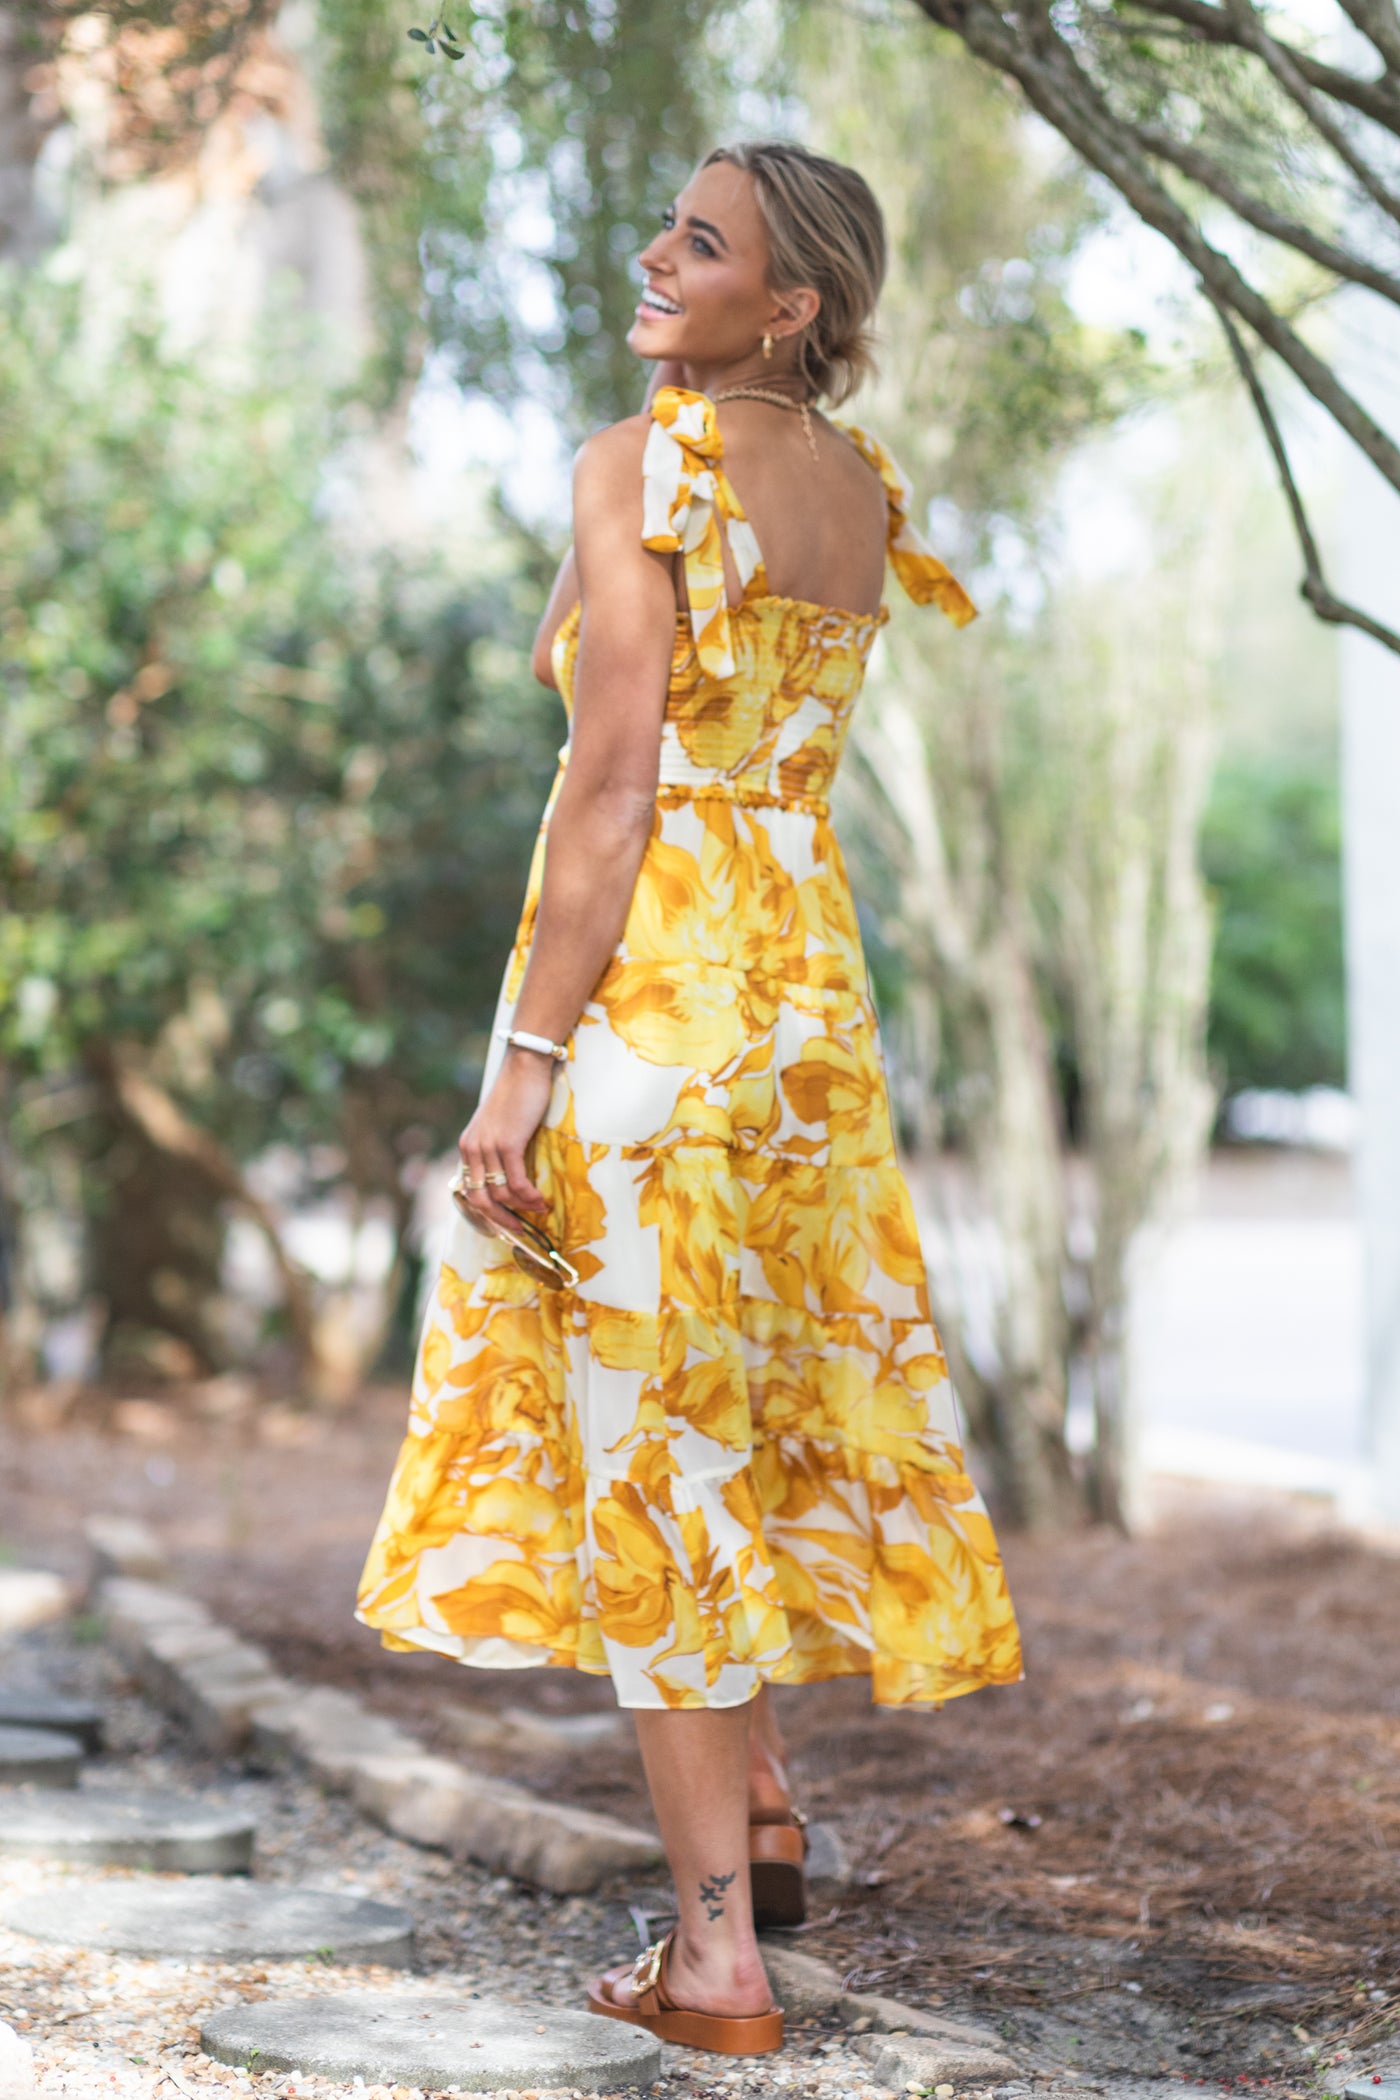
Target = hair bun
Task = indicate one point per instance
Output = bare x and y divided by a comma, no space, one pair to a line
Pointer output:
825,229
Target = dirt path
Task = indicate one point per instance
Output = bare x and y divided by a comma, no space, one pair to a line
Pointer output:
118,2027
1174,1852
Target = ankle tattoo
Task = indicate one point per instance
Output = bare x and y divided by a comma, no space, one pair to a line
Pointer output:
712,1895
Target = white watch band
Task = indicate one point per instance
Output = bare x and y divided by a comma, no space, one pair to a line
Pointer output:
525,1041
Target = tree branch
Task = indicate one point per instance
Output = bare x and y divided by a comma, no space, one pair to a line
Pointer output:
1377,99
1056,85
1378,23
1281,62
1314,585
1211,176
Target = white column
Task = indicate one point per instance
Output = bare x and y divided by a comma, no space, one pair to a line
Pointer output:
1368,575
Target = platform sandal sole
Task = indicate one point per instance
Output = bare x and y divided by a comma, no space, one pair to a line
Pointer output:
757,2034
779,1892
777,1872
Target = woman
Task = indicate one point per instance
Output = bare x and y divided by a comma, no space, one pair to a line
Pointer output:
727,1453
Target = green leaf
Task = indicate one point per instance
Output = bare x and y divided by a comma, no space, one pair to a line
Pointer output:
420,36
453,51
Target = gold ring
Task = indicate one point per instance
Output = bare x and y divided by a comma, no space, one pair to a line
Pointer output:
496,1181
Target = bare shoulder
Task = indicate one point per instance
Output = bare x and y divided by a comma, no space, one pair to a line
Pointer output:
609,516
610,462
858,478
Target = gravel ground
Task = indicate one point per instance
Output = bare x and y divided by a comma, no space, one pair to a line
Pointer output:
124,2026
1171,1855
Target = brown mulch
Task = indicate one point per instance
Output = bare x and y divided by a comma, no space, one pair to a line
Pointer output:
1195,1795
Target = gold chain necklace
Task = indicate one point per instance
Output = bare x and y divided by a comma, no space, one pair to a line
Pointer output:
763,393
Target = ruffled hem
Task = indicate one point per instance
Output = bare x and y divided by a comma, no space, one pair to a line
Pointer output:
815,1560
893,1680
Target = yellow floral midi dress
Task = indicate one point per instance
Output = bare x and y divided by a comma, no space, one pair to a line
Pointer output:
731,1456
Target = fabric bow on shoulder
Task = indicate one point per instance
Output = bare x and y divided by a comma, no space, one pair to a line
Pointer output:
684,494
925,578
681,499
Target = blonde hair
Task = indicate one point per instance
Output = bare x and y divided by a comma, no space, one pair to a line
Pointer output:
825,230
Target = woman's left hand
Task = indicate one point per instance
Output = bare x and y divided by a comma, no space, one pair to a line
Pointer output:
495,1140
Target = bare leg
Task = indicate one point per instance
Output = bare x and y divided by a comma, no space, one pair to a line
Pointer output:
768,1780
696,1763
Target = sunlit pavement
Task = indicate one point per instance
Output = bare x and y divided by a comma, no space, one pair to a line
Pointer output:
1245,1332
1247,1328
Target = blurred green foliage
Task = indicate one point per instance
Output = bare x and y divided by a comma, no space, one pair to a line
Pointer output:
1271,852
267,790
266,795
988,374
241,752
505,198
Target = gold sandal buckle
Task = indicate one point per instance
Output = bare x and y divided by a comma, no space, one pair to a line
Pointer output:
646,1970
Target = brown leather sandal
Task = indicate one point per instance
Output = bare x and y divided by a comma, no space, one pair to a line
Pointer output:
778,1847
723,2034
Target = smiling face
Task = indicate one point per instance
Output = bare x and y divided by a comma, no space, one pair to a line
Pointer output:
706,301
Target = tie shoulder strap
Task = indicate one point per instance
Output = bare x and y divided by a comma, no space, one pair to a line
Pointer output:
923,575
684,493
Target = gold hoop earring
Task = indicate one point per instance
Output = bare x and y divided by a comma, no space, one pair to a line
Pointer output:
767,348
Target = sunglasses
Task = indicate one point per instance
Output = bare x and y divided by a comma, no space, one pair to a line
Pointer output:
532,1250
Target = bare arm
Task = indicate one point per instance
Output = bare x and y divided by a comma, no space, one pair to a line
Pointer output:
564,591
602,817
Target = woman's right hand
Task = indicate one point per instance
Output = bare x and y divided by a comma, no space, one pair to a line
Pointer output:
495,1141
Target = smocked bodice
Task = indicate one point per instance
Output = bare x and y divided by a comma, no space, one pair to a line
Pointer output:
761,691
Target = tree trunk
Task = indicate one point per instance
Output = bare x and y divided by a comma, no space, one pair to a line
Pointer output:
969,949
155,1247
26,228
180,1220
1138,732
1018,1151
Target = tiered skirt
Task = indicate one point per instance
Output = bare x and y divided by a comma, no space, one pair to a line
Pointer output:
731,1456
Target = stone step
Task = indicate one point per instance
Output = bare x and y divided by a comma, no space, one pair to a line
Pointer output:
228,1693
41,1709
828,1862
39,1754
215,1921
807,1988
31,1597
329,1731
16,2065
162,1832
516,1732
188,1663
434,1801
901,2060
483,2045
124,1546
132,1609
